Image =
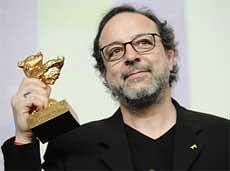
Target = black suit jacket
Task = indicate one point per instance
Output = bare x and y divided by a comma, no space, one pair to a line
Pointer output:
201,143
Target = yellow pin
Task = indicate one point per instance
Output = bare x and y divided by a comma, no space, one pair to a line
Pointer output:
194,146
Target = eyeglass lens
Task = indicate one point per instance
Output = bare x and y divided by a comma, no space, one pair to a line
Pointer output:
141,44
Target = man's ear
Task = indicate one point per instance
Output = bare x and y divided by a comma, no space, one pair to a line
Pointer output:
105,82
171,58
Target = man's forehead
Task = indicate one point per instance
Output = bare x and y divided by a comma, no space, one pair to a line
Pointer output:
125,26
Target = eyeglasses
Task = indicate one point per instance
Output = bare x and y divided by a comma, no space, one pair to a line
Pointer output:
141,44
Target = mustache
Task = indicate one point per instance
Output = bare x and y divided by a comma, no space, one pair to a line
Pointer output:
135,67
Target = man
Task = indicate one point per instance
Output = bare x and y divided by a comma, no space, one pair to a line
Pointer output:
136,55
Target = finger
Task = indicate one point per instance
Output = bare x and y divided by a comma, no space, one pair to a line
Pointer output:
34,90
31,81
39,101
26,105
43,99
48,89
21,106
31,89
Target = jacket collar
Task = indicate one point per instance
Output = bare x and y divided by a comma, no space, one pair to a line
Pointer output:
117,156
187,141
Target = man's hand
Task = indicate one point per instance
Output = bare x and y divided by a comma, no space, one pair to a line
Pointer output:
32,94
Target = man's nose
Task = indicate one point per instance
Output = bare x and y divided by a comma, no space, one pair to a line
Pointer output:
130,55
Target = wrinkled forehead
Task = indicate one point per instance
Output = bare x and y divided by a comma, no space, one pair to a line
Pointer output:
125,26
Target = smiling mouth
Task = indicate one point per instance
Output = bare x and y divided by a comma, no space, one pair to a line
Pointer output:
134,73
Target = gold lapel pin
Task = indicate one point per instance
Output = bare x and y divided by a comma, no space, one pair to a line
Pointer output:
194,146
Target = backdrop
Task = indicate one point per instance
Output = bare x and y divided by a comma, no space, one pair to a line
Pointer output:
68,27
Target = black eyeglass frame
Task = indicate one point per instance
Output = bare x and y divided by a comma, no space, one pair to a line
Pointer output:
131,43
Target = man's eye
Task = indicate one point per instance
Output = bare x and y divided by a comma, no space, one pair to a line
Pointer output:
115,51
144,43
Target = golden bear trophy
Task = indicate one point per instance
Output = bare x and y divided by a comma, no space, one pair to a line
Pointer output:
58,117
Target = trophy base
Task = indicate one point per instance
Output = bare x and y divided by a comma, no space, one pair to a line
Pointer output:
53,121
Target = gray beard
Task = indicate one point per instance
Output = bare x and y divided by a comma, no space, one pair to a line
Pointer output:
140,98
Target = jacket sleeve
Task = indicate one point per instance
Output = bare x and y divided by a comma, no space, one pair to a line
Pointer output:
27,157
23,157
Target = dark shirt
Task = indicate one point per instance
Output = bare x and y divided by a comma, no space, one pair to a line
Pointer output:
149,154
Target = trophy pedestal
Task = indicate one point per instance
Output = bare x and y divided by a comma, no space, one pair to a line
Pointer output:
53,121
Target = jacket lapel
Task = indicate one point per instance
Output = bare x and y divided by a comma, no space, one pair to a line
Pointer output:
188,140
186,149
117,155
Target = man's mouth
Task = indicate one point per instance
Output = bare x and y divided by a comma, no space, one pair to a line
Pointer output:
134,73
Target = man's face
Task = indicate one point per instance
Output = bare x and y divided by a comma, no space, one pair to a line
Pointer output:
135,76
51,75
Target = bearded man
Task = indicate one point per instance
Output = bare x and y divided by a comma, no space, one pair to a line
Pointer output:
136,56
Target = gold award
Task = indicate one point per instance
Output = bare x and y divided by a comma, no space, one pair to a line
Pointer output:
58,117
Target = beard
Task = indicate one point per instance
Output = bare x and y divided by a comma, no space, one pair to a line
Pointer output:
138,97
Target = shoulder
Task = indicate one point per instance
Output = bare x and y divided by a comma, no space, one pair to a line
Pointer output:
83,136
205,118
212,124
187,115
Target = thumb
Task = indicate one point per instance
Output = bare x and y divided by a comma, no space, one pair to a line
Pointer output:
48,89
